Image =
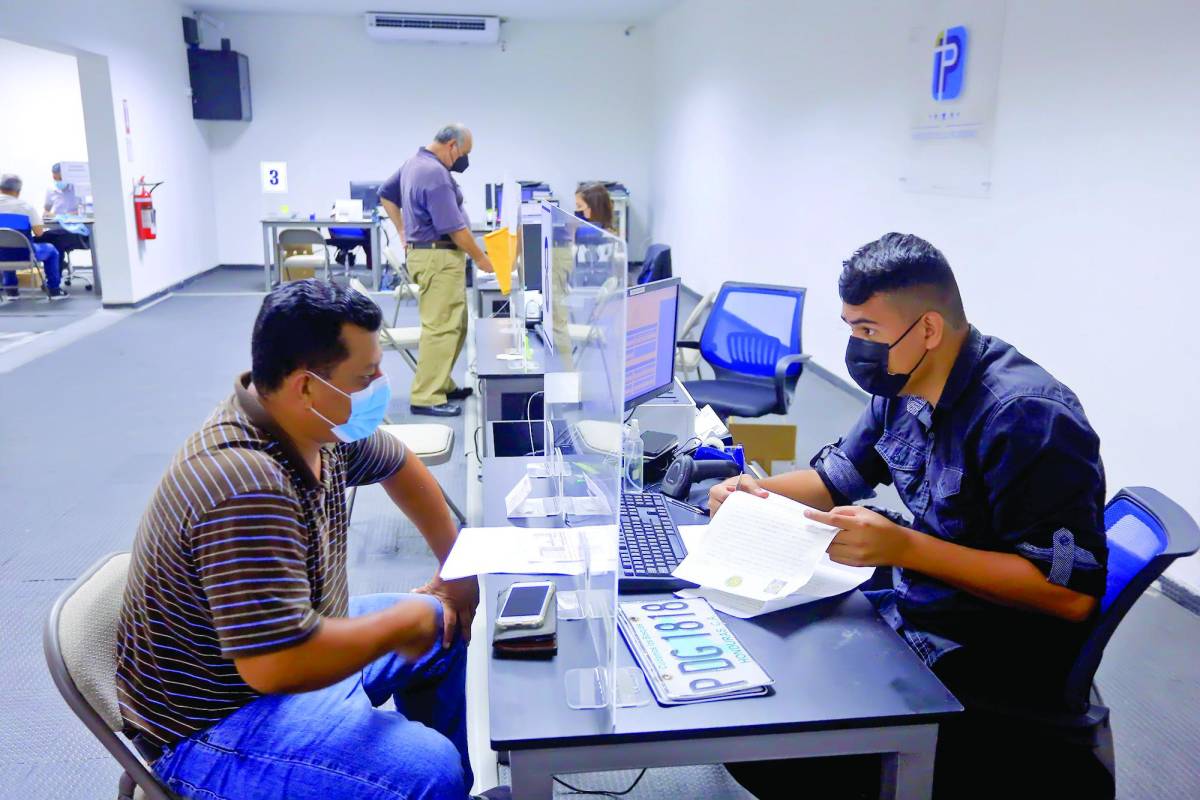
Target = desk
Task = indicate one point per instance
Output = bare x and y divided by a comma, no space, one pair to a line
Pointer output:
272,225
90,222
498,379
845,684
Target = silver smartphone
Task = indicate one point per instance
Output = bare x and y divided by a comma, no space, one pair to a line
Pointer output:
526,604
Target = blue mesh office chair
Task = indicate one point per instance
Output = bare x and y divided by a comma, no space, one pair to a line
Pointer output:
657,264
1146,531
752,342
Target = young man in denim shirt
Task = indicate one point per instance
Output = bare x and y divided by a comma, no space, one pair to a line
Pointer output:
1002,566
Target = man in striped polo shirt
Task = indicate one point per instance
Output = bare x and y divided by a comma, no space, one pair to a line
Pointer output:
244,667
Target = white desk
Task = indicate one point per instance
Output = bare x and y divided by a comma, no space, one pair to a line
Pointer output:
272,225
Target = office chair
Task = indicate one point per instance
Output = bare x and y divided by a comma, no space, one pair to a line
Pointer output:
67,242
346,240
657,264
1146,531
80,643
688,361
752,342
294,237
16,251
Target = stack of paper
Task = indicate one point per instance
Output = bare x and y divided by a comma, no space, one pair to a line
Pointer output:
687,654
760,555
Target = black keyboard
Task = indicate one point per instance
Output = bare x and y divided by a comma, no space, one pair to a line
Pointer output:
650,547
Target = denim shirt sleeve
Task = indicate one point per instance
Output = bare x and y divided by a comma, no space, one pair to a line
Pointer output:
1045,485
851,468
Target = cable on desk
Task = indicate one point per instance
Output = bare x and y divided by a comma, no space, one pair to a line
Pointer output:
475,439
602,792
533,448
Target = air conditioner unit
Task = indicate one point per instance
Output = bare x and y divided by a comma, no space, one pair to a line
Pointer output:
438,28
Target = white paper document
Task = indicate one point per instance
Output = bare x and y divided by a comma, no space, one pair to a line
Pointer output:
534,551
760,555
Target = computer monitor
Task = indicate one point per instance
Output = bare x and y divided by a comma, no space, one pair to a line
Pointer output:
650,320
368,192
531,249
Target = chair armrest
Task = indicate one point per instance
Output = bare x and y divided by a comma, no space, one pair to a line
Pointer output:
782,397
686,345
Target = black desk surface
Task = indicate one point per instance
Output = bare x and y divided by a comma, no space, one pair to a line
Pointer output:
836,664
493,337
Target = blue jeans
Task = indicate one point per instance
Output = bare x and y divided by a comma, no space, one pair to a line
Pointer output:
335,742
48,255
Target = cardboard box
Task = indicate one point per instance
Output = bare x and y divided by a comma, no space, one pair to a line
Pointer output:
765,444
29,279
298,273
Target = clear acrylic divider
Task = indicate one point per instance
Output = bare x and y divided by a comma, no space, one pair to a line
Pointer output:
584,273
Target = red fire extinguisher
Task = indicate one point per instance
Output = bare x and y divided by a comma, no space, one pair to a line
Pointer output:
143,209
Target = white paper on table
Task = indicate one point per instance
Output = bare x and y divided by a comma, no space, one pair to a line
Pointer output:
758,548
829,580
534,551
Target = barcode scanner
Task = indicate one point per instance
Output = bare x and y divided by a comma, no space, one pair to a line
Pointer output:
685,470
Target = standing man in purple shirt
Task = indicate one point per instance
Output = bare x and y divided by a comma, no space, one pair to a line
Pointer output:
425,204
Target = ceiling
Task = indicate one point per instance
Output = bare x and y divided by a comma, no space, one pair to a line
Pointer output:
543,10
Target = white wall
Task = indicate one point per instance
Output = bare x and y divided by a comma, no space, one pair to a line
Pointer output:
29,148
132,50
778,153
562,103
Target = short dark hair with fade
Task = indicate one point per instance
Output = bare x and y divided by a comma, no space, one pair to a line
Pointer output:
902,264
300,327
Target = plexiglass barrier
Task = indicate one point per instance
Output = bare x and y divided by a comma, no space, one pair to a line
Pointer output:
583,280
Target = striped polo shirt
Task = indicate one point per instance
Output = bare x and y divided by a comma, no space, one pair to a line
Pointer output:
241,552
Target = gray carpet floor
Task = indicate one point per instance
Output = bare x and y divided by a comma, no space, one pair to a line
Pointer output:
75,477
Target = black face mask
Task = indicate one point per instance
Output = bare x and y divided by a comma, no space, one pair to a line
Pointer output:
582,215
868,364
460,164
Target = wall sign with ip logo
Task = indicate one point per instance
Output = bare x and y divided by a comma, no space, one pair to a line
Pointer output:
949,62
274,176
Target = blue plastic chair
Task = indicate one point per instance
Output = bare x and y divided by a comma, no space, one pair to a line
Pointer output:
752,342
657,264
1146,531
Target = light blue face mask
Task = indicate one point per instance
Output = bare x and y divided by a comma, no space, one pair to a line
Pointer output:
368,407
62,185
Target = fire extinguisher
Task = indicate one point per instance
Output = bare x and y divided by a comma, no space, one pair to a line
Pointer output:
143,209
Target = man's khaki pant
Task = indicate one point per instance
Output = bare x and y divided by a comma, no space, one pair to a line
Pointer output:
441,276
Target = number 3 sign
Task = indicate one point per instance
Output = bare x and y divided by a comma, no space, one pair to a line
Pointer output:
274,176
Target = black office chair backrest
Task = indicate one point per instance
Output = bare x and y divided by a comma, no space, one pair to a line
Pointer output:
657,265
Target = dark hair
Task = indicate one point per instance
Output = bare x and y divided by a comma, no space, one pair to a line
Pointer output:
300,327
901,263
599,203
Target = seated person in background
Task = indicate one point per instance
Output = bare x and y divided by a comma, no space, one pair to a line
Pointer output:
245,669
10,203
999,574
593,203
61,197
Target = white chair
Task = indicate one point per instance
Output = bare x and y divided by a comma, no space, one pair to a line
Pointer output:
404,281
80,642
432,443
298,237
688,360
404,341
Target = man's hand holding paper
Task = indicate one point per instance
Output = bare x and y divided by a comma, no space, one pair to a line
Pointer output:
758,548
865,538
